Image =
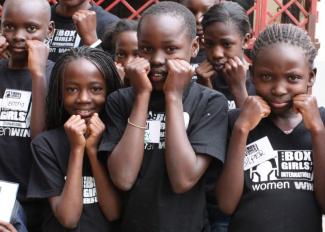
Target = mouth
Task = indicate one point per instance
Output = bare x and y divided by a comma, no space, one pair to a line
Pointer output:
218,66
157,76
84,113
279,104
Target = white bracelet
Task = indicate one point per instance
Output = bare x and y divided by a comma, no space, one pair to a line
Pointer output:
94,45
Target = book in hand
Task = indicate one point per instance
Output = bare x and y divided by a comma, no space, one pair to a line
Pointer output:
8,193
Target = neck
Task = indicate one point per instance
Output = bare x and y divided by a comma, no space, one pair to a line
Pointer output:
18,63
68,11
287,122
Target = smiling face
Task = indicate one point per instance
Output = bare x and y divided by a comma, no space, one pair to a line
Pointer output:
198,8
84,88
126,47
24,21
281,71
222,41
159,41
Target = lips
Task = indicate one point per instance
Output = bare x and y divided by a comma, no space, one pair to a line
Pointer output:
156,75
279,104
84,113
218,66
18,49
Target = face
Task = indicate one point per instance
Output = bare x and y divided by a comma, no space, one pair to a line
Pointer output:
198,8
72,3
281,71
126,47
158,42
24,22
84,88
222,41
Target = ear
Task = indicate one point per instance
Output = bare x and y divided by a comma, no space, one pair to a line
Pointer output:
246,40
50,29
312,77
195,47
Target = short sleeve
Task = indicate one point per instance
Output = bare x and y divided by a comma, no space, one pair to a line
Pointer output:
209,135
46,178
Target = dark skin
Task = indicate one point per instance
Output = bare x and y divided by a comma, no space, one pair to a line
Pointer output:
283,79
84,96
164,66
224,46
24,27
83,18
6,227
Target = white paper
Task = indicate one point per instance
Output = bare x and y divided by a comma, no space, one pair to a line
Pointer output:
258,152
152,133
8,193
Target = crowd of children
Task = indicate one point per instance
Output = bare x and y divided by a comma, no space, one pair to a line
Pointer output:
139,135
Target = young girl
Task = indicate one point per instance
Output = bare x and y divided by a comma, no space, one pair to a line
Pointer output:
226,31
67,153
273,178
121,40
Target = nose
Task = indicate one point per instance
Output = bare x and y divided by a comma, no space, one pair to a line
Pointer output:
218,53
84,96
157,58
19,35
128,59
279,88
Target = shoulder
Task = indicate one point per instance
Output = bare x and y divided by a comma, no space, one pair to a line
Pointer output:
123,94
51,138
322,113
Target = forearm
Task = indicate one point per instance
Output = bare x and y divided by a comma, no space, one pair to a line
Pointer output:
184,166
108,198
39,91
318,139
240,94
68,206
231,181
125,160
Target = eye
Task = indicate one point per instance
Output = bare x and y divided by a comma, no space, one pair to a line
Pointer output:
71,89
227,44
146,50
8,27
293,78
97,89
120,55
171,49
32,28
266,77
208,43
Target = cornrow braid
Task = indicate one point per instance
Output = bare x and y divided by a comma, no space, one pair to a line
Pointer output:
285,33
56,114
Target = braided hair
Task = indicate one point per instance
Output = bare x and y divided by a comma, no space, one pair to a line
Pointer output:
56,114
228,12
288,34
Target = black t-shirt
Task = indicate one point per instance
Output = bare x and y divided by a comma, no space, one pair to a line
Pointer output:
65,35
278,193
221,85
51,151
151,205
15,114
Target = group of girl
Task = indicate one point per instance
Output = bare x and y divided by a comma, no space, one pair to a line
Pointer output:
272,178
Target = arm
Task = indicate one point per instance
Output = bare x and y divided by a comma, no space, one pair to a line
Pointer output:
184,166
230,184
125,160
67,207
85,21
307,106
108,198
7,227
234,73
37,60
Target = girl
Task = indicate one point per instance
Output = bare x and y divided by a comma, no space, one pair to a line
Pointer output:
121,39
67,153
276,154
226,31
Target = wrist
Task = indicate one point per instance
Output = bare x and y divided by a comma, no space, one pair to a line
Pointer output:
173,97
89,40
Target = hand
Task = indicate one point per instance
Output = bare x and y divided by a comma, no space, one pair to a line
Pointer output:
75,128
307,106
253,110
205,73
120,70
37,57
137,72
7,227
234,73
95,129
179,76
85,21
3,47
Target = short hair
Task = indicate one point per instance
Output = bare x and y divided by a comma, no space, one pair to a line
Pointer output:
172,9
285,33
56,114
228,12
123,25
